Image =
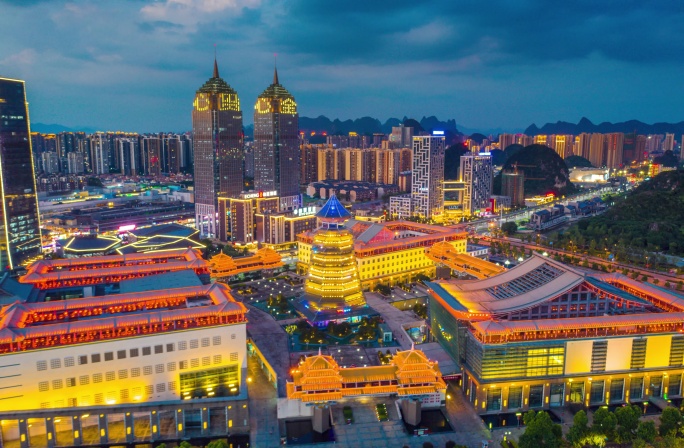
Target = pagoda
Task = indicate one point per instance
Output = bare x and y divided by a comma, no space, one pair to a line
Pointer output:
333,282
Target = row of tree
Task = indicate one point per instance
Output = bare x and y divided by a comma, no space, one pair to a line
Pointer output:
622,426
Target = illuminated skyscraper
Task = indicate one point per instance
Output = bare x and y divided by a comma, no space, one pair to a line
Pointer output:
427,178
276,141
218,153
20,233
477,174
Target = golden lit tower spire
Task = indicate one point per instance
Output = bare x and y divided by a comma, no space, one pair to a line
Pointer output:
275,70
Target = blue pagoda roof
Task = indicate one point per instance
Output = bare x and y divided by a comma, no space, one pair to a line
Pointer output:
333,209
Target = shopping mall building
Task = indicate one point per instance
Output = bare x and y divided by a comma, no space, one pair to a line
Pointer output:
543,334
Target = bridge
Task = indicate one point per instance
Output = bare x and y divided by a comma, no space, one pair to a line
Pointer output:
446,254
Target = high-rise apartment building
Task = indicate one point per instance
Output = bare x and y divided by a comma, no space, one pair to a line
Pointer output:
217,141
427,178
276,141
20,235
614,149
309,164
597,149
50,162
506,140
402,136
75,163
477,174
513,186
582,144
668,143
564,145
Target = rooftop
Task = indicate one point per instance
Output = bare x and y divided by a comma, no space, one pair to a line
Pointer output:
333,210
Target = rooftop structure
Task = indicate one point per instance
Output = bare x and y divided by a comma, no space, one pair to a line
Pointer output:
222,266
47,274
409,374
544,334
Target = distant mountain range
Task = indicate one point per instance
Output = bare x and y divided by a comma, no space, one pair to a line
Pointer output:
585,125
44,128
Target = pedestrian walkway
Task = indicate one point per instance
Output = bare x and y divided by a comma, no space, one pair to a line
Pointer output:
263,418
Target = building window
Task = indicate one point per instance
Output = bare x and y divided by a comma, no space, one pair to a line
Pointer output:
494,399
95,357
71,402
182,345
536,396
182,365
123,374
676,350
172,386
170,347
121,354
596,393
159,368
111,396
71,382
134,352
149,389
41,365
84,380
222,380
233,357
217,359
135,372
205,342
599,352
515,397
109,356
123,394
617,387
99,398
55,363
83,359
636,388
194,343
147,351
158,349
194,362
137,391
43,386
109,376
147,370
69,361
170,366
57,384
206,360
45,405
97,377
161,387
656,386
675,384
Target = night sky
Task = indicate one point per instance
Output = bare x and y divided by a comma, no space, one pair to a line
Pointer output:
135,64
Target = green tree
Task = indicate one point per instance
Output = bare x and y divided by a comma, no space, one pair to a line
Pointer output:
605,422
628,422
540,431
670,420
509,228
647,431
579,429
217,444
185,444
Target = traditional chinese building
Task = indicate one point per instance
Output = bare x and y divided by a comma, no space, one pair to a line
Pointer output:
223,267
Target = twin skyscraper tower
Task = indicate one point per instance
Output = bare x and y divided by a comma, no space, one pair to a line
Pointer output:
218,141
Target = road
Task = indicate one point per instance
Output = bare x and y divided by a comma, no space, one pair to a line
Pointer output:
662,277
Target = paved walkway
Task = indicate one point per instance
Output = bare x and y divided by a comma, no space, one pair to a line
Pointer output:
393,316
271,339
263,419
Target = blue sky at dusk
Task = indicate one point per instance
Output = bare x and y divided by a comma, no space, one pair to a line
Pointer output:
135,64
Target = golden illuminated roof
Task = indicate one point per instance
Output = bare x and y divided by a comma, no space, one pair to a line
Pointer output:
276,90
216,84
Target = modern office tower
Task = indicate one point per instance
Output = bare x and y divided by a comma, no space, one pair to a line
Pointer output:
513,186
582,145
427,190
668,143
333,279
50,162
309,164
614,148
75,163
629,148
276,141
477,174
217,143
597,149
564,145
20,238
506,140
